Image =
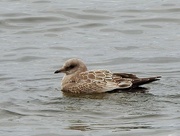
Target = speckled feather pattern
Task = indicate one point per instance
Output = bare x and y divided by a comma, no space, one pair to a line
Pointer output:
79,80
96,81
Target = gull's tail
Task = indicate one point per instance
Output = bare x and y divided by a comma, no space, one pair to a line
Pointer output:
141,81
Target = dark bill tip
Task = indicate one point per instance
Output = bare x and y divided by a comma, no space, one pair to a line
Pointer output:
57,71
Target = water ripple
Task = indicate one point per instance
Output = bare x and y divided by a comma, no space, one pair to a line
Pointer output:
169,10
159,20
91,25
28,58
58,29
86,17
161,60
34,19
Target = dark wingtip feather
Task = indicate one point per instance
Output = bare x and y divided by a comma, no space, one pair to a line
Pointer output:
142,81
157,78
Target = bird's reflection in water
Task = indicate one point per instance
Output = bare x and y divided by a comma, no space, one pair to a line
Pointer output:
107,94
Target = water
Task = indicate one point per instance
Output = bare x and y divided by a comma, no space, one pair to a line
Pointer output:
140,37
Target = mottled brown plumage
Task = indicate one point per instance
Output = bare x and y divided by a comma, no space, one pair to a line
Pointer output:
79,80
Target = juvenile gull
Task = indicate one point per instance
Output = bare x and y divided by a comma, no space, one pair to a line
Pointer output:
78,79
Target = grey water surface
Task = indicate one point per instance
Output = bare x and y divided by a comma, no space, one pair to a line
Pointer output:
136,36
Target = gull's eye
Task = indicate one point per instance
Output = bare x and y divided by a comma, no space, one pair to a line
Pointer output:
71,67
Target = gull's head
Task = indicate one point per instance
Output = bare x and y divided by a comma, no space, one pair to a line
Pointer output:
72,66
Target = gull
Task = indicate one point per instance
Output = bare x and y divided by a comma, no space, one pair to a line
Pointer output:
78,79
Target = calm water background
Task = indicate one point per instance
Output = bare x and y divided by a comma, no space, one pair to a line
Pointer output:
139,36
